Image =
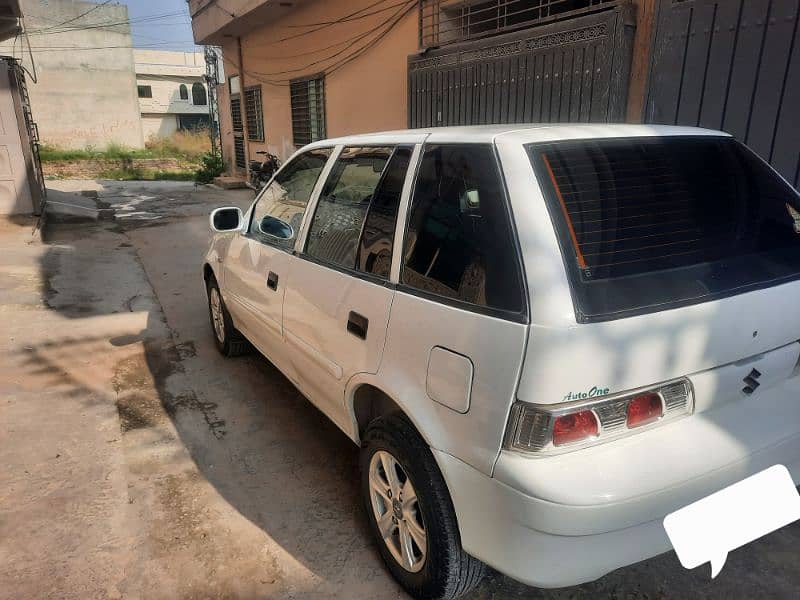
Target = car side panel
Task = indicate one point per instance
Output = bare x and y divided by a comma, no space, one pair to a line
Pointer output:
318,304
257,310
494,346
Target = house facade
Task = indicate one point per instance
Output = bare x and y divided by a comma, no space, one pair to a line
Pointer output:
306,69
172,91
84,91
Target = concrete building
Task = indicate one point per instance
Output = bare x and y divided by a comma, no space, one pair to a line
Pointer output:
85,89
21,184
306,69
172,91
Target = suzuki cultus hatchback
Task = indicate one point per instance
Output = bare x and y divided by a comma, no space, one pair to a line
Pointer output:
543,338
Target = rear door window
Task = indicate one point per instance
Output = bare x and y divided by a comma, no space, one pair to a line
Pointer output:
459,242
651,223
339,218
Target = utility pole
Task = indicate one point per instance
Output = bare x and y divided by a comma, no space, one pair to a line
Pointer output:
212,80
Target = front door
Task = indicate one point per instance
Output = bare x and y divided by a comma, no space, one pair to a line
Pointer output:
337,299
257,263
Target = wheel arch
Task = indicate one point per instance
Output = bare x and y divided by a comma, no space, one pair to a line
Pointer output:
208,272
368,401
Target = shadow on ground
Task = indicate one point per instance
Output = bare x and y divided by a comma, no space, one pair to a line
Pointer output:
281,515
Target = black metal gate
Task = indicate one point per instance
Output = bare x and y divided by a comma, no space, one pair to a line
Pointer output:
573,70
732,65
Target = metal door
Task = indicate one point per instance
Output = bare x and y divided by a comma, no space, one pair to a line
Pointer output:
732,65
572,70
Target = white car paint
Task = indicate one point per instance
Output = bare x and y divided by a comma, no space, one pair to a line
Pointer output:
554,520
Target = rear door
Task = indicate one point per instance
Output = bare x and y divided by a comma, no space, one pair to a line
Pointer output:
257,262
457,333
338,297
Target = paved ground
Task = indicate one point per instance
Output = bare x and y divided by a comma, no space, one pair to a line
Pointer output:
138,463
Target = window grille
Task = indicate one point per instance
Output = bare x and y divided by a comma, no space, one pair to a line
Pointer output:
254,114
308,110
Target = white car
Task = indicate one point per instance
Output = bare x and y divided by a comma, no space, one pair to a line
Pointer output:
543,338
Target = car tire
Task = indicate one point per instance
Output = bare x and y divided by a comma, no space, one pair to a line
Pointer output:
445,571
229,341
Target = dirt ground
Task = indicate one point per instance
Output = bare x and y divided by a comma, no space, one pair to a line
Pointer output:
139,463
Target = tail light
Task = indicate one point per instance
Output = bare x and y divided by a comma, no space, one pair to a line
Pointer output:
644,409
574,427
557,428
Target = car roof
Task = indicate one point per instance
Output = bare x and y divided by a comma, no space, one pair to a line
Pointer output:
517,133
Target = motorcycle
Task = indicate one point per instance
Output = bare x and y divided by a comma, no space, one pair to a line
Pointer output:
262,171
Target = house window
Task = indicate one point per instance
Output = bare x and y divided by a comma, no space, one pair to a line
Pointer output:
184,92
308,110
193,122
199,94
144,91
254,114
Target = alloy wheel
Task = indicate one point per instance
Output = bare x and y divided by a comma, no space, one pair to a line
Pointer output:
397,512
216,315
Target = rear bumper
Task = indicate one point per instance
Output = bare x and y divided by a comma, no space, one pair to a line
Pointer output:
565,520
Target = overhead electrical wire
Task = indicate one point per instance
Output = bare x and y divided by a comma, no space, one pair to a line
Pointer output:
83,14
142,46
352,16
352,43
107,24
387,26
338,21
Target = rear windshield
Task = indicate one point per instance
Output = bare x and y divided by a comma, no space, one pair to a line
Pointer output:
652,223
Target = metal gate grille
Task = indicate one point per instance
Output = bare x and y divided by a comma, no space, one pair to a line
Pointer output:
732,65
574,70
445,22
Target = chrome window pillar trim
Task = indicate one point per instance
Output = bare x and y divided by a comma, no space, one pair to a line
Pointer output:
311,207
402,213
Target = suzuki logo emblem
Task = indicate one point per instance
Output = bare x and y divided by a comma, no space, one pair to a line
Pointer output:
751,382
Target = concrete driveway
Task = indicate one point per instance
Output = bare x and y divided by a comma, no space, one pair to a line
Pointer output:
139,463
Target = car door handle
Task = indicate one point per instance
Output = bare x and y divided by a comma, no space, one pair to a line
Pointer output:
272,281
357,325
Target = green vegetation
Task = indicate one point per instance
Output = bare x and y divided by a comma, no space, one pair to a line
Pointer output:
211,167
188,150
136,174
188,145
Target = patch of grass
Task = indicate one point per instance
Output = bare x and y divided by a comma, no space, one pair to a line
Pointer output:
122,174
50,153
136,174
189,145
172,175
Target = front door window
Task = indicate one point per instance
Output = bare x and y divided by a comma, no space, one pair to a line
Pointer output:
279,211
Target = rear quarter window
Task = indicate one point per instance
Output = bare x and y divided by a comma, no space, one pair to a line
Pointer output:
652,223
